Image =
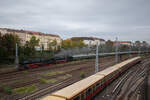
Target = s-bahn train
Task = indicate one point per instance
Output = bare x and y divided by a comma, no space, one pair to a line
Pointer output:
87,88
36,63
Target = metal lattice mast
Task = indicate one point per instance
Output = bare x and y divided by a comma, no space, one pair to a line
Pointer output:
116,54
139,50
16,60
130,51
96,62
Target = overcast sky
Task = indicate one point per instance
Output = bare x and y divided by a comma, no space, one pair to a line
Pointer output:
125,19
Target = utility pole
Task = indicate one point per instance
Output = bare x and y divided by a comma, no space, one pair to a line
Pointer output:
139,49
96,62
130,51
116,54
16,60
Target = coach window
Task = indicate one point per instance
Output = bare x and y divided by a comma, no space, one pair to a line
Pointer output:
97,85
77,98
88,92
94,88
82,96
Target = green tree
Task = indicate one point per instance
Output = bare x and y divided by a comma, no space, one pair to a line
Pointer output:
66,44
109,43
109,47
52,46
31,45
8,42
8,47
138,43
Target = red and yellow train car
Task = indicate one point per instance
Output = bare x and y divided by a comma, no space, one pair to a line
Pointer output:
89,87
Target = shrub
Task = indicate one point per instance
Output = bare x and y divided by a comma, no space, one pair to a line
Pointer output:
25,72
7,90
82,75
43,81
26,89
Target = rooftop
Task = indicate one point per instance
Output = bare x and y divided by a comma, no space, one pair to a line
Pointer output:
29,32
87,38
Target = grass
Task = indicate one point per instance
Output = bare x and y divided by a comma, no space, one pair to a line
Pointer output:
82,75
52,81
7,90
65,76
26,89
25,72
7,70
53,73
43,81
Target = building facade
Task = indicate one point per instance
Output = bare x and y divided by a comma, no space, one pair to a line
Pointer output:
26,36
90,41
126,43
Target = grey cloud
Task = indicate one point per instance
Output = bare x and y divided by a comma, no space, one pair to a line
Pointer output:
126,19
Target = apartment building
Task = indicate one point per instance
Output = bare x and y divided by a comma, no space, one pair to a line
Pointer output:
26,36
90,41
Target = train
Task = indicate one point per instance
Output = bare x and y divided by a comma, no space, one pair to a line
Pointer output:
36,63
87,88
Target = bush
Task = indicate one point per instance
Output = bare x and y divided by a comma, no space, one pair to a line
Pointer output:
25,72
7,90
82,75
26,89
43,81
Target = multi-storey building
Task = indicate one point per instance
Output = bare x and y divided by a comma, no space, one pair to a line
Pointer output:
127,43
90,41
123,43
26,36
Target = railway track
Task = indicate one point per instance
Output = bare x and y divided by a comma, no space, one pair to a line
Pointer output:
5,80
131,80
11,75
104,64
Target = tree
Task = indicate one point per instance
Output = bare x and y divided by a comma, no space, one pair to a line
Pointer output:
109,43
8,42
8,47
138,43
30,46
52,46
109,46
72,44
